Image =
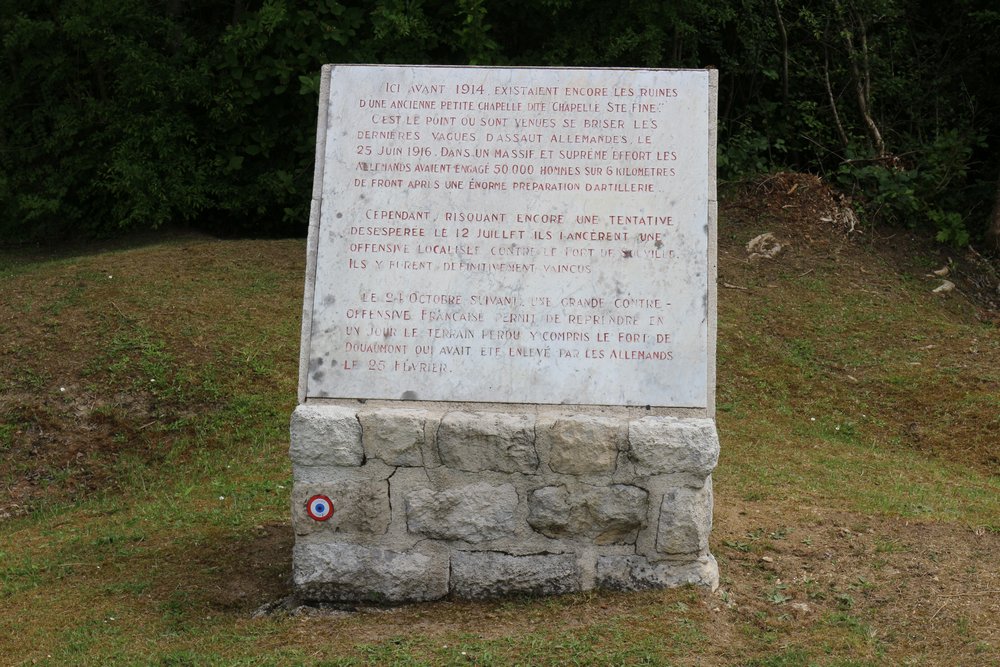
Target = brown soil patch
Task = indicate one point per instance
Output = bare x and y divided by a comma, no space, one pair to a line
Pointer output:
898,587
812,211
893,591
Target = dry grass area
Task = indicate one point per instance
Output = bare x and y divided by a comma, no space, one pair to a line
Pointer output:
144,396
123,352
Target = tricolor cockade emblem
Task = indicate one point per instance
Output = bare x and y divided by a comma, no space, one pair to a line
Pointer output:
319,508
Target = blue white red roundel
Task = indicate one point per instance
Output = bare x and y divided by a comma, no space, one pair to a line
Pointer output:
319,508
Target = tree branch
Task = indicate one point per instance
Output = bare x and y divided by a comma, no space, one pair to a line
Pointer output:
862,86
833,102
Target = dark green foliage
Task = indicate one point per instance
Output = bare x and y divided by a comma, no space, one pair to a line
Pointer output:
122,114
96,125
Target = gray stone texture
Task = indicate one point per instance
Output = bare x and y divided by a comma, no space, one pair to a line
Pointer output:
326,435
373,469
607,515
660,445
475,441
486,574
581,444
406,523
360,506
473,513
394,436
685,520
632,573
349,572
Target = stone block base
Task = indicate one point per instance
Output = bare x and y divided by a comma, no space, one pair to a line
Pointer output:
428,504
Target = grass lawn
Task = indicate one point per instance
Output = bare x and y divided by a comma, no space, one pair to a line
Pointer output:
145,390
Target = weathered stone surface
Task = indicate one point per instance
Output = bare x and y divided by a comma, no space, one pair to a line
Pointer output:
475,441
633,573
486,574
394,436
349,572
326,435
685,520
582,444
669,445
573,377
359,507
608,515
472,513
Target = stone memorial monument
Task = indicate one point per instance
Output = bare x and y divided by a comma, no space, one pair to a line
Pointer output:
507,373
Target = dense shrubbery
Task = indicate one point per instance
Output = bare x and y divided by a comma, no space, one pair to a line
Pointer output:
119,114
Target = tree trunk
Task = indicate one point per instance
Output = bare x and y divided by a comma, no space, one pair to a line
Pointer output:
862,78
784,53
862,86
993,230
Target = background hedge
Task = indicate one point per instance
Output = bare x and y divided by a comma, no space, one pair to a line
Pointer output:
124,114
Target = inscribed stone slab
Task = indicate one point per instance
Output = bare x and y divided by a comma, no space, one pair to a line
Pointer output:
514,235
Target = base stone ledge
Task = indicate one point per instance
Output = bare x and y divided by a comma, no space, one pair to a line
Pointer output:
654,557
488,574
355,573
632,573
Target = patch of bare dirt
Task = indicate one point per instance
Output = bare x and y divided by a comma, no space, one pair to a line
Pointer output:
927,591
896,591
812,211
248,572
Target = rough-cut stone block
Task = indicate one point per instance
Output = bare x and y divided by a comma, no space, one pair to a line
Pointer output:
633,573
394,436
608,515
475,441
669,445
326,435
360,506
486,574
348,572
685,520
472,513
582,444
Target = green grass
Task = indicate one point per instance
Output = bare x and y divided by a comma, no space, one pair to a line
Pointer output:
156,544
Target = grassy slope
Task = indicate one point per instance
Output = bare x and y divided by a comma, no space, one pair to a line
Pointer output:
144,396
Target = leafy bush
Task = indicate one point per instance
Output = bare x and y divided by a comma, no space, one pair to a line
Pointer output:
122,114
119,114
926,190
